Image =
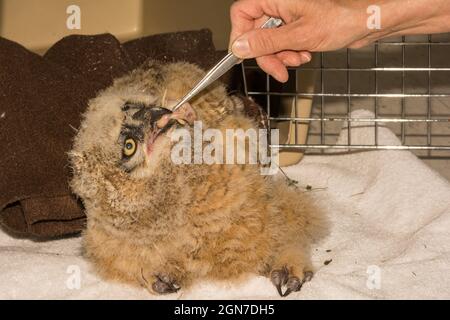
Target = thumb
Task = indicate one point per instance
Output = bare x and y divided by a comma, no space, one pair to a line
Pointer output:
262,42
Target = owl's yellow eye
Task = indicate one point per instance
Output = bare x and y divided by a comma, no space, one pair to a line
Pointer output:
129,147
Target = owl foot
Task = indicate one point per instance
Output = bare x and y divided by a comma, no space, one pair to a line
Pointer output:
164,285
282,278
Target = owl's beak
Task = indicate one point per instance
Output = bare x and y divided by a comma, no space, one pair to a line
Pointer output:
158,116
183,115
162,119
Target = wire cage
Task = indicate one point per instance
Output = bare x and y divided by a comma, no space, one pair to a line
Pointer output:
404,82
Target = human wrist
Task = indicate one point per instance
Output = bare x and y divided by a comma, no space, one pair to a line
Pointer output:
407,17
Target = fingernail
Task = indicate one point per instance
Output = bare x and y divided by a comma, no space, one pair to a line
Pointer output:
306,57
241,48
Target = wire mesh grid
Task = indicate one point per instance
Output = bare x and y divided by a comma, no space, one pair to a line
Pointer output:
404,82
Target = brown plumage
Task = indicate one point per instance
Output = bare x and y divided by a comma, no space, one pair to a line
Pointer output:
161,225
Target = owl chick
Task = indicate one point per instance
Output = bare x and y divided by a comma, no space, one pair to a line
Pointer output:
161,225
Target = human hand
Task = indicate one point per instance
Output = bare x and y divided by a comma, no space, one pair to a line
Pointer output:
324,25
319,25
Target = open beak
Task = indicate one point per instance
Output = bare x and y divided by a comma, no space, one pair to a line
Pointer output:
162,119
183,115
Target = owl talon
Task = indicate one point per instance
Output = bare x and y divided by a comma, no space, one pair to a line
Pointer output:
163,285
281,278
293,285
307,276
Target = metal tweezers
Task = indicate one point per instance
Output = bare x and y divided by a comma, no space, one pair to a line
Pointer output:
229,61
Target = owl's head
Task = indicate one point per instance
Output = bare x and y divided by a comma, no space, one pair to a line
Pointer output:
122,149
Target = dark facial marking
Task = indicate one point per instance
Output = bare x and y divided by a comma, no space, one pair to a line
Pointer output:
138,118
140,115
132,106
135,132
151,114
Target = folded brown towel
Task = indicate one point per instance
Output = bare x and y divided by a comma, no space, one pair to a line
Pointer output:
99,58
40,104
41,100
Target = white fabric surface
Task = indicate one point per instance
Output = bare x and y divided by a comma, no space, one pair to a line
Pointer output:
389,213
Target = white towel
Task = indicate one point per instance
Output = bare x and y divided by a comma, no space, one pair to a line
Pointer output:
389,239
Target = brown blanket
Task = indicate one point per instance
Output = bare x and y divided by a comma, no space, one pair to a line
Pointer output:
41,100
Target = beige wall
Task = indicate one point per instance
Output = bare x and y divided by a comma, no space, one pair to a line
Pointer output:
37,24
175,15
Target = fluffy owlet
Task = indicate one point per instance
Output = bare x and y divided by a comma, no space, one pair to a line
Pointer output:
162,225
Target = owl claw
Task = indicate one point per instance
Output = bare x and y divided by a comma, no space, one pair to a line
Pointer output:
281,278
293,285
163,285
